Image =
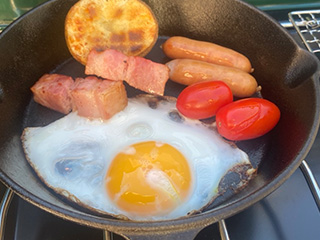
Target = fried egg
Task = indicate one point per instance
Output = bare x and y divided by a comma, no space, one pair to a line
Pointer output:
145,163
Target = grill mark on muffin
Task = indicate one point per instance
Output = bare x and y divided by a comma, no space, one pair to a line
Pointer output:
118,37
136,48
90,20
135,35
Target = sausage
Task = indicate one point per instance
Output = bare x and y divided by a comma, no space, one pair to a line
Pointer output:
181,47
188,71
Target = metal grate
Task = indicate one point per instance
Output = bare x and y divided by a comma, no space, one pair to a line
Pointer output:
307,24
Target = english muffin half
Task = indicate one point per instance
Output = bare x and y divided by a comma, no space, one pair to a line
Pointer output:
128,26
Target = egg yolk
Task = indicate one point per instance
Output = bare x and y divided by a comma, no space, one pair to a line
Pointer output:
148,179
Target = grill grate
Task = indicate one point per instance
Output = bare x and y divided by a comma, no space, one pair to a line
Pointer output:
307,24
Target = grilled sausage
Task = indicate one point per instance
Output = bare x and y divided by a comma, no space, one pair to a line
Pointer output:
181,47
188,71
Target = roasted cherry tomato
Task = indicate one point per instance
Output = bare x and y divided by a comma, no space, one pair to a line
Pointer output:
203,99
247,118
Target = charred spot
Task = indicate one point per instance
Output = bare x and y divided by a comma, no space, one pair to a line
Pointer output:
153,104
135,35
230,180
118,37
153,101
175,116
236,178
136,48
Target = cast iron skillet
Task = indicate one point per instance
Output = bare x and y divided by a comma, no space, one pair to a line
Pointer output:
34,45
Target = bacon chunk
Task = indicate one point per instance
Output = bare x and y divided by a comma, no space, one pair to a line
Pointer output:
111,98
83,97
138,72
146,75
91,97
96,98
109,64
53,91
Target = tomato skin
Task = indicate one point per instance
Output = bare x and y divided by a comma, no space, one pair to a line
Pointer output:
247,118
203,99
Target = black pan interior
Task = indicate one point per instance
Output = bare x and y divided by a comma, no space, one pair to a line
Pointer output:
34,45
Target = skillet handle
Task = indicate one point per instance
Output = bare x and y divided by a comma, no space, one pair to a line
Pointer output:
185,235
159,235
5,203
313,185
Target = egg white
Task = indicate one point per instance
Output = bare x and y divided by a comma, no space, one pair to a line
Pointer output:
90,145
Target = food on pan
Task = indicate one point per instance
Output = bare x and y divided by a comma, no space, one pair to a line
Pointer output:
189,71
243,119
53,91
147,162
203,100
138,72
247,118
96,98
110,64
126,25
185,48
90,97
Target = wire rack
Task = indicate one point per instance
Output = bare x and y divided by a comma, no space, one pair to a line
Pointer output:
307,24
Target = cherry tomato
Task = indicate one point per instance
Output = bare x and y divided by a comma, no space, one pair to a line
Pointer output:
247,118
203,99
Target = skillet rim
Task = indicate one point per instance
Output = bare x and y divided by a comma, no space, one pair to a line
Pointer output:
201,219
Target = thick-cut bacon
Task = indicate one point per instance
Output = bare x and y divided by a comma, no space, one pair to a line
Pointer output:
53,91
91,97
109,64
111,98
146,75
96,98
138,72
83,97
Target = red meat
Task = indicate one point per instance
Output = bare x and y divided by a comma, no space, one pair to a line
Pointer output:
138,72
53,91
109,64
96,98
146,75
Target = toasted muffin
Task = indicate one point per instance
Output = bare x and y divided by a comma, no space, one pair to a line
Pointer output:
128,26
